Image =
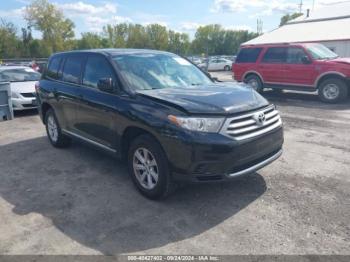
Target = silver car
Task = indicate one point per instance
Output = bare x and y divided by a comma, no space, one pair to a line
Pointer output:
22,80
217,64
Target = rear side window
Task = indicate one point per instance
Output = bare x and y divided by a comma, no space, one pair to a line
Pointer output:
72,69
97,67
248,55
275,55
52,70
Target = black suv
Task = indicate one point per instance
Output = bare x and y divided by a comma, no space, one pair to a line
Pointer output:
170,120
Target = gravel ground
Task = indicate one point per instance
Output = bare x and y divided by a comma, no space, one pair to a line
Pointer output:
81,201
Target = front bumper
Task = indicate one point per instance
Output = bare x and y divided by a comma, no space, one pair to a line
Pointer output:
214,157
24,103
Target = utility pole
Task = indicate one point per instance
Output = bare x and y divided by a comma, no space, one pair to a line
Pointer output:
301,6
259,26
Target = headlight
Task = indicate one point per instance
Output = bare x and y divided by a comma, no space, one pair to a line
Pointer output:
14,95
210,125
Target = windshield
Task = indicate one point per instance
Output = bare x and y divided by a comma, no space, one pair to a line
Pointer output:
146,71
320,52
19,75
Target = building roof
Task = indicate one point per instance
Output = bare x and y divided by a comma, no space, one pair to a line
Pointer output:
324,24
328,11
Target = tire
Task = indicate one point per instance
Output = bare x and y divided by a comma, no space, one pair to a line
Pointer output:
146,149
53,130
255,82
227,68
333,90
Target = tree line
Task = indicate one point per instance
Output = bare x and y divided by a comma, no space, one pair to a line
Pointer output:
58,35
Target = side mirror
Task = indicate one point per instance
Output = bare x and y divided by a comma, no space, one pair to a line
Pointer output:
105,85
305,60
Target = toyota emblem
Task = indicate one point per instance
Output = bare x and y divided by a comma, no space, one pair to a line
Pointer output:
260,118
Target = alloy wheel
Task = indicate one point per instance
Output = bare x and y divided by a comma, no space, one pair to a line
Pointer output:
145,168
52,128
331,91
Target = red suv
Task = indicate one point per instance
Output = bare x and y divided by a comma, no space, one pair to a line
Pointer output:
304,67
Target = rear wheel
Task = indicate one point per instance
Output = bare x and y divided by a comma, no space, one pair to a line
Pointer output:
53,130
227,68
255,82
148,168
333,90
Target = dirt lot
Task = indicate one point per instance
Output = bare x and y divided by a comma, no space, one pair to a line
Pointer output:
81,201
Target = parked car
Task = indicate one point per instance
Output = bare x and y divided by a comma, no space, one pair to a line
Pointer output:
167,118
304,67
194,60
217,64
22,81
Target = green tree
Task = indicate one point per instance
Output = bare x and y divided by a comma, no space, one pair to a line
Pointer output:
215,40
90,40
116,35
208,40
26,41
50,21
9,42
158,36
137,36
288,17
178,43
37,49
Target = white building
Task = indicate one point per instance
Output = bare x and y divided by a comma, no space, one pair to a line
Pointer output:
329,25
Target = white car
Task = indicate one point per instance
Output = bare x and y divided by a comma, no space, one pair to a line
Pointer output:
22,80
217,64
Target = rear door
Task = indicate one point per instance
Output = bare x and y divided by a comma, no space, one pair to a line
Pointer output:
298,72
213,65
246,61
221,64
65,90
272,65
96,117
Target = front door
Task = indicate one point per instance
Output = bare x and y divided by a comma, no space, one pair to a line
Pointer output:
300,71
272,65
97,114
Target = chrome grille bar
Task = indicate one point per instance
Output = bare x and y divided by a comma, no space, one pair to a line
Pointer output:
249,125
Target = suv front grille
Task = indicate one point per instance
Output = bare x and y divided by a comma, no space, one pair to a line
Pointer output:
252,124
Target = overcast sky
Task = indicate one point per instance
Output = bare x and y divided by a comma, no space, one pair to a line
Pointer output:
179,15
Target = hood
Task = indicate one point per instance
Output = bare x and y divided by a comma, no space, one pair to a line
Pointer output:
23,87
343,60
209,99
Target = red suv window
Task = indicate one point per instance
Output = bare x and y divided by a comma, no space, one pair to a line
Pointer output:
248,55
275,55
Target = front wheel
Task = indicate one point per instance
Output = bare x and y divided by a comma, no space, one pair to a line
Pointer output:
333,90
148,167
255,83
227,68
53,130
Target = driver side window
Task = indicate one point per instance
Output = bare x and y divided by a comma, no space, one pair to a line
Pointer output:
295,55
97,67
